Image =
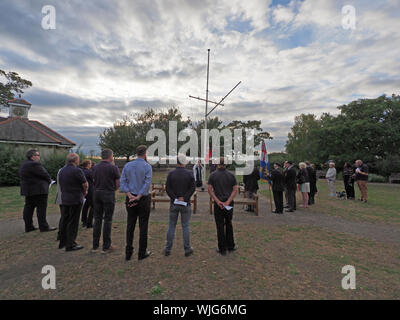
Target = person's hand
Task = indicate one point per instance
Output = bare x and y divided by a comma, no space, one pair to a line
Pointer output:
130,196
220,204
226,203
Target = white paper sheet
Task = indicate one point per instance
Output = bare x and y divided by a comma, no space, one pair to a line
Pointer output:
228,208
181,203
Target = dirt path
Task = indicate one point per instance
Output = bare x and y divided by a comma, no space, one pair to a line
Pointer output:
302,217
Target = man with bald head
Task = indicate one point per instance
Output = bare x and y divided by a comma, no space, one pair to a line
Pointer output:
73,187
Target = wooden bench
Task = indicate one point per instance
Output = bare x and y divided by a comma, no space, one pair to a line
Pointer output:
394,178
159,188
161,198
245,201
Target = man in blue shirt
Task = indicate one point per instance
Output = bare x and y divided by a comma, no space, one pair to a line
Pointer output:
135,182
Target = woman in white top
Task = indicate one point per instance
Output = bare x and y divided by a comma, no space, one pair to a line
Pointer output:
331,178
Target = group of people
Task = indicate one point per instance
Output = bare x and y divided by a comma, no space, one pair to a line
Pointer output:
91,190
351,173
288,181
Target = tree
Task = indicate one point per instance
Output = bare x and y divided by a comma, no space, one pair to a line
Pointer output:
130,132
14,85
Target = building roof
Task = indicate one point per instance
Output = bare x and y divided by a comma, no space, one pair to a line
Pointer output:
19,130
19,101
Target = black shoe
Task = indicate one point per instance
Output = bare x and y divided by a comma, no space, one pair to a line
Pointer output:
48,229
290,210
167,253
74,248
146,255
189,253
286,207
61,246
233,249
89,226
31,229
222,253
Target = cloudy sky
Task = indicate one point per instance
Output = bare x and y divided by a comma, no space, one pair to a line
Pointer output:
109,58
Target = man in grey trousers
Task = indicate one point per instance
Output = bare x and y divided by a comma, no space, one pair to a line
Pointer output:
180,186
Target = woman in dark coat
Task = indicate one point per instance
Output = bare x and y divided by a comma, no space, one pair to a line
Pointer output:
303,180
87,210
348,172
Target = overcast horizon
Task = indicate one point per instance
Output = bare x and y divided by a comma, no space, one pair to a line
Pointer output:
106,59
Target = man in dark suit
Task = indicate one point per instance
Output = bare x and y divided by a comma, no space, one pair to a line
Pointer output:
291,186
278,187
251,185
312,174
35,182
74,188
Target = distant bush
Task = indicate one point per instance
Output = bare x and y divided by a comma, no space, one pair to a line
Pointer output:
376,178
54,163
10,160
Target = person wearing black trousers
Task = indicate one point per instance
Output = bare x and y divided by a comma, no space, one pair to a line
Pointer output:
291,186
35,182
348,179
87,210
222,187
312,175
278,187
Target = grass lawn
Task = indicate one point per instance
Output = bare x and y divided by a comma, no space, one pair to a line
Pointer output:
383,205
274,260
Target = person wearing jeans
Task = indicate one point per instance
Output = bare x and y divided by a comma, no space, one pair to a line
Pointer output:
331,178
106,181
180,186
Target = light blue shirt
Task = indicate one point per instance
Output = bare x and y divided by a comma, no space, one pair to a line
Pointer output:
136,177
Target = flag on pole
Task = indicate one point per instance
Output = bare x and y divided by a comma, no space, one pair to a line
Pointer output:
264,163
208,156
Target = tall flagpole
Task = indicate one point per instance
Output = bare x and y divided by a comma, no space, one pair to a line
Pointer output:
205,121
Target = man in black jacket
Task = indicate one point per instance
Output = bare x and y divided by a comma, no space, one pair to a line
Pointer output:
35,182
180,186
312,175
278,187
251,185
291,186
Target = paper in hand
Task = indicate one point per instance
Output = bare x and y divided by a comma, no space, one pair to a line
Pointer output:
181,203
228,208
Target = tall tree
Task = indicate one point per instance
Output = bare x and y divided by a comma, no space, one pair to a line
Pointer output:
12,86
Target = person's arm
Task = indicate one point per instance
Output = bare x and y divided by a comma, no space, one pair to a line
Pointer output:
212,194
232,196
190,190
124,183
40,172
147,181
85,187
169,189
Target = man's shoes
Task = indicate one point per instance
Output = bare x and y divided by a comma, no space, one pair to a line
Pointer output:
74,248
286,207
233,249
222,253
31,229
146,255
94,250
48,229
128,253
61,246
166,252
89,226
290,210
189,253
108,250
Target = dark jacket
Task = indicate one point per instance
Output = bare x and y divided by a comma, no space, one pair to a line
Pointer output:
302,176
180,183
34,178
277,178
250,181
89,177
290,179
312,174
